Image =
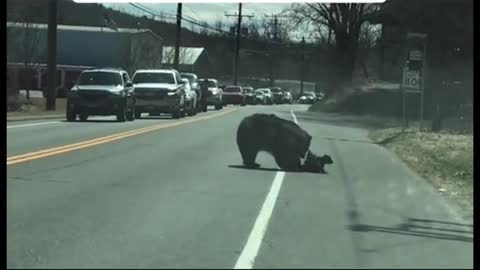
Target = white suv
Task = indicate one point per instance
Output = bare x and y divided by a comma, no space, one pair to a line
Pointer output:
159,91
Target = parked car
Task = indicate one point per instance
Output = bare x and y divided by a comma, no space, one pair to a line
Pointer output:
308,98
234,95
190,98
287,96
320,95
101,92
268,95
193,79
250,97
159,91
260,97
277,95
213,94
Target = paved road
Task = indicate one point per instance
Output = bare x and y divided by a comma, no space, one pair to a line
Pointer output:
170,196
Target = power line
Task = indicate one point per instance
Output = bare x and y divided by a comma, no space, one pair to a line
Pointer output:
200,24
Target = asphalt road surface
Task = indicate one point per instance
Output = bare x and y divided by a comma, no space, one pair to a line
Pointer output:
162,193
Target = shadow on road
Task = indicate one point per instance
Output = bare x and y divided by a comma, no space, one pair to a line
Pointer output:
423,228
92,121
160,117
258,169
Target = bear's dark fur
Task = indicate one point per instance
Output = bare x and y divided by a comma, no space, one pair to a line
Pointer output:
283,139
316,164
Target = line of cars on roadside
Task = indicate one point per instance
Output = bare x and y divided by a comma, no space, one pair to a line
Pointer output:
110,91
248,95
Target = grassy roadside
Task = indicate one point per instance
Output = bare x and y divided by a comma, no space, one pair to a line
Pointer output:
445,160
38,108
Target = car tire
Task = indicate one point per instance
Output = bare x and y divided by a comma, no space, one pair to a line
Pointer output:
176,114
218,107
190,110
138,114
71,115
131,114
121,114
83,117
183,113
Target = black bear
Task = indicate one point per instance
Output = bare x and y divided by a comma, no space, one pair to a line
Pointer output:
316,164
283,139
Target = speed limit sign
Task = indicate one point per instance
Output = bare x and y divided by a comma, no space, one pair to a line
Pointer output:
411,79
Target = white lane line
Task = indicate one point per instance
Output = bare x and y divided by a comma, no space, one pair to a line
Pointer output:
251,248
34,124
294,117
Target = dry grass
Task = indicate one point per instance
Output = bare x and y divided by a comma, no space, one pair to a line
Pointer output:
446,160
38,107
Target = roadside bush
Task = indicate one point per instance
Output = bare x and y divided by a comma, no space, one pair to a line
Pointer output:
16,103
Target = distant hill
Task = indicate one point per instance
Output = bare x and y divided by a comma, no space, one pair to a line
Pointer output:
220,47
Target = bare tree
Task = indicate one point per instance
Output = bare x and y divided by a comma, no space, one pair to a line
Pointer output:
204,29
344,22
31,38
219,24
144,52
279,30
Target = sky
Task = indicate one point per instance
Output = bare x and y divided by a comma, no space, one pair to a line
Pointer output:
208,12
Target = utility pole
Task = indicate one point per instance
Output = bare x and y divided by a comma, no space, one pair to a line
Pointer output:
272,54
237,45
275,24
52,55
177,40
302,66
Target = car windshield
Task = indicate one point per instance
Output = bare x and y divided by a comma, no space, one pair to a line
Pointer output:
230,89
191,78
208,83
153,77
276,90
100,78
247,90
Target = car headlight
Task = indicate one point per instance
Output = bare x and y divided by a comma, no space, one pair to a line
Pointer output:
172,93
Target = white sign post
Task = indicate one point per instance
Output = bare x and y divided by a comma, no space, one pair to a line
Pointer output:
413,79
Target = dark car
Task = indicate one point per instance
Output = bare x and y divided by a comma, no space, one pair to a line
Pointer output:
308,98
234,95
287,97
159,91
102,92
277,95
250,96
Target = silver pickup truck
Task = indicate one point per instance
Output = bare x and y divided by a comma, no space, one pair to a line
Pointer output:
159,91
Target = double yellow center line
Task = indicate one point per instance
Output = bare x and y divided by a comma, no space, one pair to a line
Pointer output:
101,140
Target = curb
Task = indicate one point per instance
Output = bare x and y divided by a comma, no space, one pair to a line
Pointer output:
30,118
